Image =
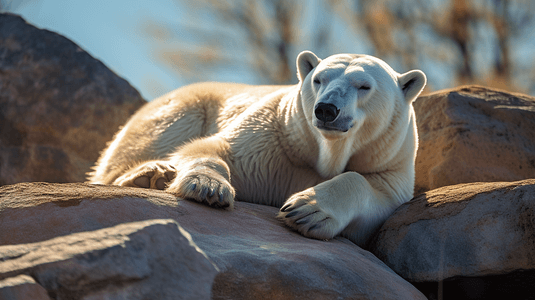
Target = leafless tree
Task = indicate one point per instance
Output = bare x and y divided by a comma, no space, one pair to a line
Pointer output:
265,35
457,21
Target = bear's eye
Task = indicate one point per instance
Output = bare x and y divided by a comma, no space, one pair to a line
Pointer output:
364,87
316,81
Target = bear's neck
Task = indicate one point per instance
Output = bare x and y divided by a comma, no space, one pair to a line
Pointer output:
333,156
297,138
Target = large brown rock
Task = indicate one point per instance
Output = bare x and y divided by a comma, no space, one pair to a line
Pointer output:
471,231
142,260
258,257
474,134
58,105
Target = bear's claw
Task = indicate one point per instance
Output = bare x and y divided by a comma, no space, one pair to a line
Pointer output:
316,226
293,213
288,207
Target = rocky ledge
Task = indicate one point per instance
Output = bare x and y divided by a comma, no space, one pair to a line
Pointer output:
474,134
81,241
68,238
467,241
59,106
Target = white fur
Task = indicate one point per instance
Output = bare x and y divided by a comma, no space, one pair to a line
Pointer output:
336,152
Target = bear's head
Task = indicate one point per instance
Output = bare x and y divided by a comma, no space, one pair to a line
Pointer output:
356,104
345,93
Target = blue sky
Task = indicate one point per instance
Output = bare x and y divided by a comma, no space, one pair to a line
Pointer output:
115,33
109,31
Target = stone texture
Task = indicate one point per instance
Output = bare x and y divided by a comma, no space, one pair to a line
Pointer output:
474,134
258,257
142,260
22,287
58,105
470,230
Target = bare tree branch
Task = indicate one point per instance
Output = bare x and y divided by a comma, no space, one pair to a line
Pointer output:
266,34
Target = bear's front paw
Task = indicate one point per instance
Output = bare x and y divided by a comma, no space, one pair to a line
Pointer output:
303,213
211,189
154,175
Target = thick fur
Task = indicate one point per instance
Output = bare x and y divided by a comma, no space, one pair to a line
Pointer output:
335,152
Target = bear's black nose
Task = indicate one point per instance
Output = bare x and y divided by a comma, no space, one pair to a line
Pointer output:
326,112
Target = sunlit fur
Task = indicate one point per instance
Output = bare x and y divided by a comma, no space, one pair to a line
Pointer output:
261,144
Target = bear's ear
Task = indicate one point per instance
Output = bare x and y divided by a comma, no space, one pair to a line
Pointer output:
306,61
412,83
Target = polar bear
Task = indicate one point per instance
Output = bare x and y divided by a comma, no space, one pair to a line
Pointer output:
335,152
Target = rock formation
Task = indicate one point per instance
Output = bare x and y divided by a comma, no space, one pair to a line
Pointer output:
473,134
58,105
144,260
483,231
258,257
